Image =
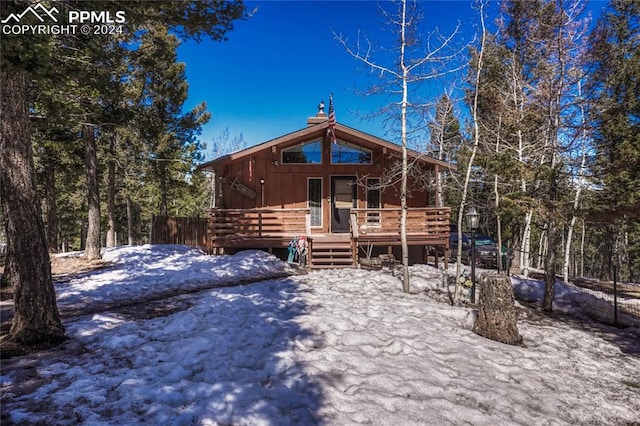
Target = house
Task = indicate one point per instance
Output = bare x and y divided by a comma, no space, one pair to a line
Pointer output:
336,193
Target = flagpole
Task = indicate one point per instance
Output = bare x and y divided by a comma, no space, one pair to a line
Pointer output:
332,120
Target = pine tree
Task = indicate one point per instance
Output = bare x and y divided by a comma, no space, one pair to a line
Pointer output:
614,89
36,318
167,133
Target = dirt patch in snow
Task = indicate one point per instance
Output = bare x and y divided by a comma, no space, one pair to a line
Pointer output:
62,269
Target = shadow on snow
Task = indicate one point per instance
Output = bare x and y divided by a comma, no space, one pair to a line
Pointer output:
229,359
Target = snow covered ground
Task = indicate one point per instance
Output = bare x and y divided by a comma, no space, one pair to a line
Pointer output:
337,347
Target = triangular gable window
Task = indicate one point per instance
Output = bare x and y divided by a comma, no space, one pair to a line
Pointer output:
347,153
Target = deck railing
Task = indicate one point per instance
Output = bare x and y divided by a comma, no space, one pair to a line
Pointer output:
257,224
427,221
275,227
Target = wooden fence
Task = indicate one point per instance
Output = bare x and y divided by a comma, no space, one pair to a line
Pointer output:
190,231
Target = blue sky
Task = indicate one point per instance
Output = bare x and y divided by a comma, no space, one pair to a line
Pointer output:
277,66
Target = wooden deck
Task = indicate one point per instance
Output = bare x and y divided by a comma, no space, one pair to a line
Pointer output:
275,228
257,228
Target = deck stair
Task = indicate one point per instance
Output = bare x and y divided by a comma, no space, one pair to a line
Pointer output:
332,252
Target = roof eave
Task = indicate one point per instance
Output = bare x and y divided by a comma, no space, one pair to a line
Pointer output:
264,145
309,130
393,146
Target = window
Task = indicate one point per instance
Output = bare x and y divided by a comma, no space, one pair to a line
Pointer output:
373,201
305,153
346,153
315,201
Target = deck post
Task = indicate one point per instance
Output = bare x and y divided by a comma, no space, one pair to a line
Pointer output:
446,256
353,226
307,225
354,252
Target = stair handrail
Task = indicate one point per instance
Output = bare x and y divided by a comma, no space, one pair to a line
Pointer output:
353,224
307,225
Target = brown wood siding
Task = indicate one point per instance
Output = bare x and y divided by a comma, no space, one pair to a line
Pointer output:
285,185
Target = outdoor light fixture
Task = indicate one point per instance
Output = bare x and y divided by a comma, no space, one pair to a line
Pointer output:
473,217
262,192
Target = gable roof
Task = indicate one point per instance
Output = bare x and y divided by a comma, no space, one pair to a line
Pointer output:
316,130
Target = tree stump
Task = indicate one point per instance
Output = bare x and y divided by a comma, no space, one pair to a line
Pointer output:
496,310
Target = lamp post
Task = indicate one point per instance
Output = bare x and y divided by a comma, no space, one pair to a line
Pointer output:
473,217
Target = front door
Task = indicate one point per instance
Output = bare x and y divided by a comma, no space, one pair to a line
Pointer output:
344,193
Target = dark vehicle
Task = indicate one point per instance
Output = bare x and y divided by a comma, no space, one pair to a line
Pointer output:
486,254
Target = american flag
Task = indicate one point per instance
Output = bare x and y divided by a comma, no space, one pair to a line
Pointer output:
332,119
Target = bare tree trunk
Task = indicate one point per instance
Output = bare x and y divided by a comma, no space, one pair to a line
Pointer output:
111,194
606,272
542,247
403,183
550,267
476,142
501,266
621,249
52,210
582,250
130,231
497,202
163,189
567,249
92,248
552,232
405,70
525,251
4,278
36,318
525,239
552,239
440,137
576,200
